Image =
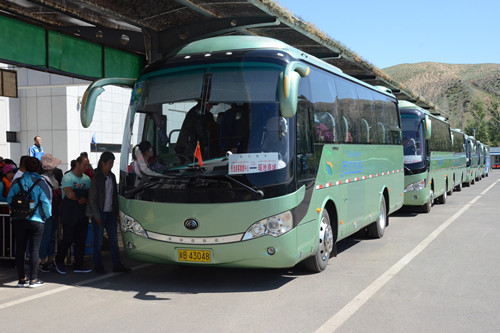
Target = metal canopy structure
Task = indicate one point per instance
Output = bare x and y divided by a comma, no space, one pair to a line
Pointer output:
129,33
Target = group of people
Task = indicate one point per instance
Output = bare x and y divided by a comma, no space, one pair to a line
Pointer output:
82,193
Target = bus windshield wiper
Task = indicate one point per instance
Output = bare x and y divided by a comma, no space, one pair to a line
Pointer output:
258,193
409,170
142,188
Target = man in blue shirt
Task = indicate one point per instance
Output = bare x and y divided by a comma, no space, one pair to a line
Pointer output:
36,150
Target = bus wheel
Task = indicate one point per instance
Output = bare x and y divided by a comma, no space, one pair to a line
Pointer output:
318,262
442,199
377,228
458,188
426,208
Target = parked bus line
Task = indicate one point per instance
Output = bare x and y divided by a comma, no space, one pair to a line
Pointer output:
243,151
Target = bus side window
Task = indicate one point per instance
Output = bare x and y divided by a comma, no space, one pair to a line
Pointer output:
325,127
305,142
365,131
346,133
382,119
349,109
367,113
395,128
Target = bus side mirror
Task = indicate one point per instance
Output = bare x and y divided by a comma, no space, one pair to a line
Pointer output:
427,127
289,87
93,91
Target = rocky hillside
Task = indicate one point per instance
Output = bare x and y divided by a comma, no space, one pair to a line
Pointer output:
453,88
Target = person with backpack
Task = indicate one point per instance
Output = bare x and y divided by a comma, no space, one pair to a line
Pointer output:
29,203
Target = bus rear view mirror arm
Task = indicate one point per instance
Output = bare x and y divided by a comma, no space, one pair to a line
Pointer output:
289,87
93,91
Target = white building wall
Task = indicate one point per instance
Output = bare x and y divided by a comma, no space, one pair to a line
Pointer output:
49,106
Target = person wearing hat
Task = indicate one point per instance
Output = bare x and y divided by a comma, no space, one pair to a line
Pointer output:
48,243
30,229
9,171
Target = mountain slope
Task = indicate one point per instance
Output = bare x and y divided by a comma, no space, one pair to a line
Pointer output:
453,88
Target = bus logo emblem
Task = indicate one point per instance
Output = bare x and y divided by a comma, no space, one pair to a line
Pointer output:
191,224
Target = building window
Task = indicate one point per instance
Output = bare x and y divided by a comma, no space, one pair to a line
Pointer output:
12,137
102,147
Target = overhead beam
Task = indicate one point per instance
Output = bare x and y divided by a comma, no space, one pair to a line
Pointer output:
161,43
53,51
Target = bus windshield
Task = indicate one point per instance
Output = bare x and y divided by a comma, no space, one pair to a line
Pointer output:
213,129
413,141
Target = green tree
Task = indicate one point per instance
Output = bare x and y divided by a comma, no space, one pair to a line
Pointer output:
478,126
494,124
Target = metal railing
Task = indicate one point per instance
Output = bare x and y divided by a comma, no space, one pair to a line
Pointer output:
6,233
7,241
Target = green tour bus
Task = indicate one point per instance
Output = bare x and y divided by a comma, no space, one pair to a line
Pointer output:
242,151
482,159
428,157
487,160
460,163
472,160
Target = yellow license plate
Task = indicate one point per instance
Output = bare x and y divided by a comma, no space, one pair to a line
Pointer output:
194,255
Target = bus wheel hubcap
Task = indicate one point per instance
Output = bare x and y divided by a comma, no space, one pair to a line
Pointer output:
381,219
326,239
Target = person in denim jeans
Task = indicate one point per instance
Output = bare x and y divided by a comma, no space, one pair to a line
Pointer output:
30,229
103,208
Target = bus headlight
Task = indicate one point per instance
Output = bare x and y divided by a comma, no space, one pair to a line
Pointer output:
275,226
418,186
129,224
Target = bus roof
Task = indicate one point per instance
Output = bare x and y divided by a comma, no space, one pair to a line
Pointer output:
402,104
229,43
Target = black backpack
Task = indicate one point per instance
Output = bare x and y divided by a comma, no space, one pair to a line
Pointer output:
20,205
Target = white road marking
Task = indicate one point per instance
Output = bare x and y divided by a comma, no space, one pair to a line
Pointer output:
355,304
64,288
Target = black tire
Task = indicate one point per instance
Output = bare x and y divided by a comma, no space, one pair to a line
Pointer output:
377,228
427,207
318,262
458,188
442,199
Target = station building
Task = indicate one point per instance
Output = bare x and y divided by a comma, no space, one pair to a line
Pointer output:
48,105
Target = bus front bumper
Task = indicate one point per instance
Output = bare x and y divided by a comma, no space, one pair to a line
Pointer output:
264,252
417,191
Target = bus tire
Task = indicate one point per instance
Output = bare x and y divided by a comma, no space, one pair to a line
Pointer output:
442,199
318,262
426,208
377,228
458,188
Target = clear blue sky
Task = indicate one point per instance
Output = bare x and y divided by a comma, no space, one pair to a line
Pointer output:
390,32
